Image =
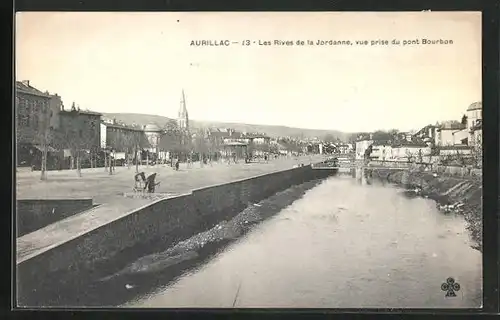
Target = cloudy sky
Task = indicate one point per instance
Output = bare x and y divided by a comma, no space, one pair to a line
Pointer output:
140,62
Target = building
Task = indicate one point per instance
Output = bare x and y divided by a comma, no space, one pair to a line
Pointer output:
476,134
460,137
35,124
344,148
474,122
121,137
474,113
446,133
428,134
78,135
79,129
361,148
410,151
256,138
153,135
381,150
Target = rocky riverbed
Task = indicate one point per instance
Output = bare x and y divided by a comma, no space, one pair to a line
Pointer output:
453,194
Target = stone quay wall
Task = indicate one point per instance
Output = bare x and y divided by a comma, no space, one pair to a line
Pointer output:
33,214
147,230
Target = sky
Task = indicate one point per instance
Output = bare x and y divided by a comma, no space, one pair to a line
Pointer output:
141,62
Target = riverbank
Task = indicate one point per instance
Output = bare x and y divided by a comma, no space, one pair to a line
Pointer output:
453,194
137,271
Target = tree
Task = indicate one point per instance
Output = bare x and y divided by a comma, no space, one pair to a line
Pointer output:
393,133
138,142
200,144
330,138
409,155
420,156
71,136
381,135
477,151
368,152
171,138
464,120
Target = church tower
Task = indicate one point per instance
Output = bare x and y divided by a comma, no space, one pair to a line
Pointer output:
183,118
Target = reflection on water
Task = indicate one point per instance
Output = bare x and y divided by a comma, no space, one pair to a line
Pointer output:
345,244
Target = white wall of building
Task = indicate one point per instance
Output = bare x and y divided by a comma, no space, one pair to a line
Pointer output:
453,151
473,116
458,136
381,152
402,153
445,137
361,147
103,135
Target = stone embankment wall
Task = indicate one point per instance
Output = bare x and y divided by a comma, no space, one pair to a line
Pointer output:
429,167
446,188
147,230
33,214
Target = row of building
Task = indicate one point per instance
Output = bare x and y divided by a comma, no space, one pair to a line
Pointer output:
450,138
43,122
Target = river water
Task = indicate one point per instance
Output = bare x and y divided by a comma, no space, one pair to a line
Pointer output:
345,243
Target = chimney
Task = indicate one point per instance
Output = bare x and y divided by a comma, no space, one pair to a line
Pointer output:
26,82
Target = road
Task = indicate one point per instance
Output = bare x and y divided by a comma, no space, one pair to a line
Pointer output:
105,188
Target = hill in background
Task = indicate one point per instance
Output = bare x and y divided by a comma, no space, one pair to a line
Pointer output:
272,131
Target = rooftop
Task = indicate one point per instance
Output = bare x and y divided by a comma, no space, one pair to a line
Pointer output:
452,125
122,126
24,87
152,128
475,106
382,143
88,112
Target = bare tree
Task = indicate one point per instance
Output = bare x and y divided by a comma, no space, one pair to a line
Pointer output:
420,156
477,152
409,156
171,139
200,144
138,142
72,136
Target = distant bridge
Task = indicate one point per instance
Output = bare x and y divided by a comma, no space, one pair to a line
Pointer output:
336,165
322,167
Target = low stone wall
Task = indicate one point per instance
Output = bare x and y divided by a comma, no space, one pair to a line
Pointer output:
147,230
33,214
430,167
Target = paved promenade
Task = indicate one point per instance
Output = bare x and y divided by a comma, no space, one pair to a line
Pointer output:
108,190
104,188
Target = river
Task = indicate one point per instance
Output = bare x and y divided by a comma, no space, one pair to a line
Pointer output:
345,243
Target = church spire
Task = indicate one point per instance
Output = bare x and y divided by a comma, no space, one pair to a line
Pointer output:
183,118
